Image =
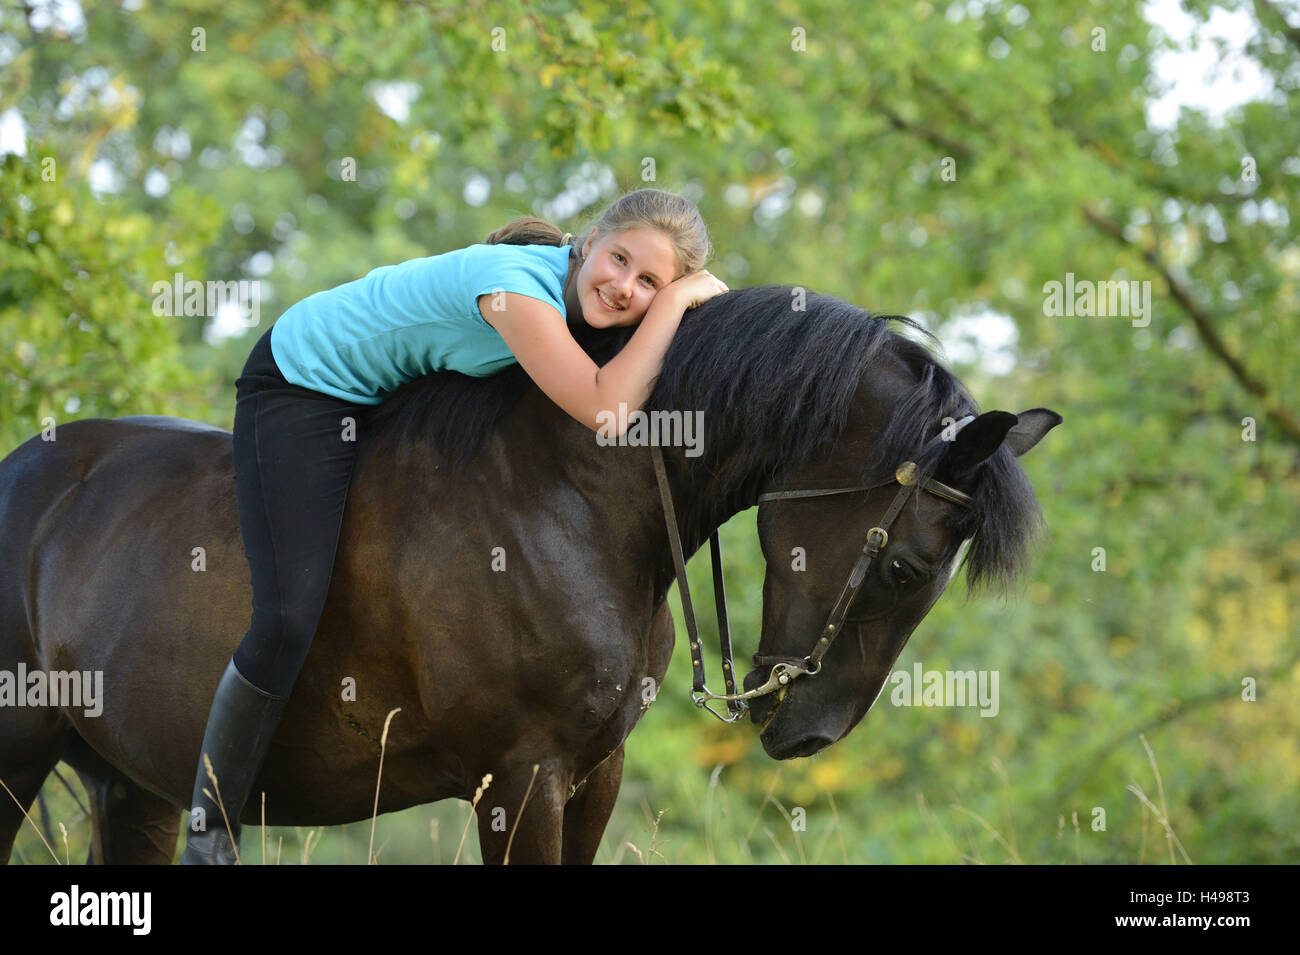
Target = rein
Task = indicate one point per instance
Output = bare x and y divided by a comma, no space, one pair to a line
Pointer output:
786,669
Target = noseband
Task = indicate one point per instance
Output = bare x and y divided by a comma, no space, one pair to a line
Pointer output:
786,669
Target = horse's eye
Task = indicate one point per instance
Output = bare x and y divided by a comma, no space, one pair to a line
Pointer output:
902,573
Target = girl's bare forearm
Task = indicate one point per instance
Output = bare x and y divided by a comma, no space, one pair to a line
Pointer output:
628,377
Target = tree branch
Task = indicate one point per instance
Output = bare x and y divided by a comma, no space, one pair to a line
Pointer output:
932,136
1291,33
1284,419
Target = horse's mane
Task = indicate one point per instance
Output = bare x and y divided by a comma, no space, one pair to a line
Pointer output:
757,364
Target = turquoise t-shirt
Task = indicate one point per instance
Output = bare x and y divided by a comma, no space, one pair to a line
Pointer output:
400,322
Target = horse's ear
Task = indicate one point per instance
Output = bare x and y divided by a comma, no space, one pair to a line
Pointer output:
1030,427
978,440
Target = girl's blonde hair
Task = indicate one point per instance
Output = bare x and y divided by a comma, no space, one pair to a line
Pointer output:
676,217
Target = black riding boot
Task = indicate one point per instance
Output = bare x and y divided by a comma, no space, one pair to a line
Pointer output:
240,726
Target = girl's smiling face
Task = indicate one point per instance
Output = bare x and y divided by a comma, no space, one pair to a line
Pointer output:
620,276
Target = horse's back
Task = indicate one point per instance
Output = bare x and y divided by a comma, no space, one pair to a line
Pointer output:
167,422
38,478
103,508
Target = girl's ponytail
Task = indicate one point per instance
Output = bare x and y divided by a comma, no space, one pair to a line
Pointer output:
528,230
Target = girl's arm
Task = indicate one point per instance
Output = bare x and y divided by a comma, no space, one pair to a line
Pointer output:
557,364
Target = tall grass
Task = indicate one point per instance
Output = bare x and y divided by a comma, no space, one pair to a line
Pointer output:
717,824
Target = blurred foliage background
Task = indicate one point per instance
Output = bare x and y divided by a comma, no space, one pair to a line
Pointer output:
941,160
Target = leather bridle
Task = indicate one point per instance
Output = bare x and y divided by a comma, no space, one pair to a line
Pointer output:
787,669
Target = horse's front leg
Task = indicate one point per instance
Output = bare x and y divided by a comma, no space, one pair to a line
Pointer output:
587,814
530,837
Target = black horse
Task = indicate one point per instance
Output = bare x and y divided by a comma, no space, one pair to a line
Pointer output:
501,577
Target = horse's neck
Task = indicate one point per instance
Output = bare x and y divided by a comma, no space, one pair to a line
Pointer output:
538,444
619,484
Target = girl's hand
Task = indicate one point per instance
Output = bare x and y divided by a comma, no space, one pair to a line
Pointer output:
695,289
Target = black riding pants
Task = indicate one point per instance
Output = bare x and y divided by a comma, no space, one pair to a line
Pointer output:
294,451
